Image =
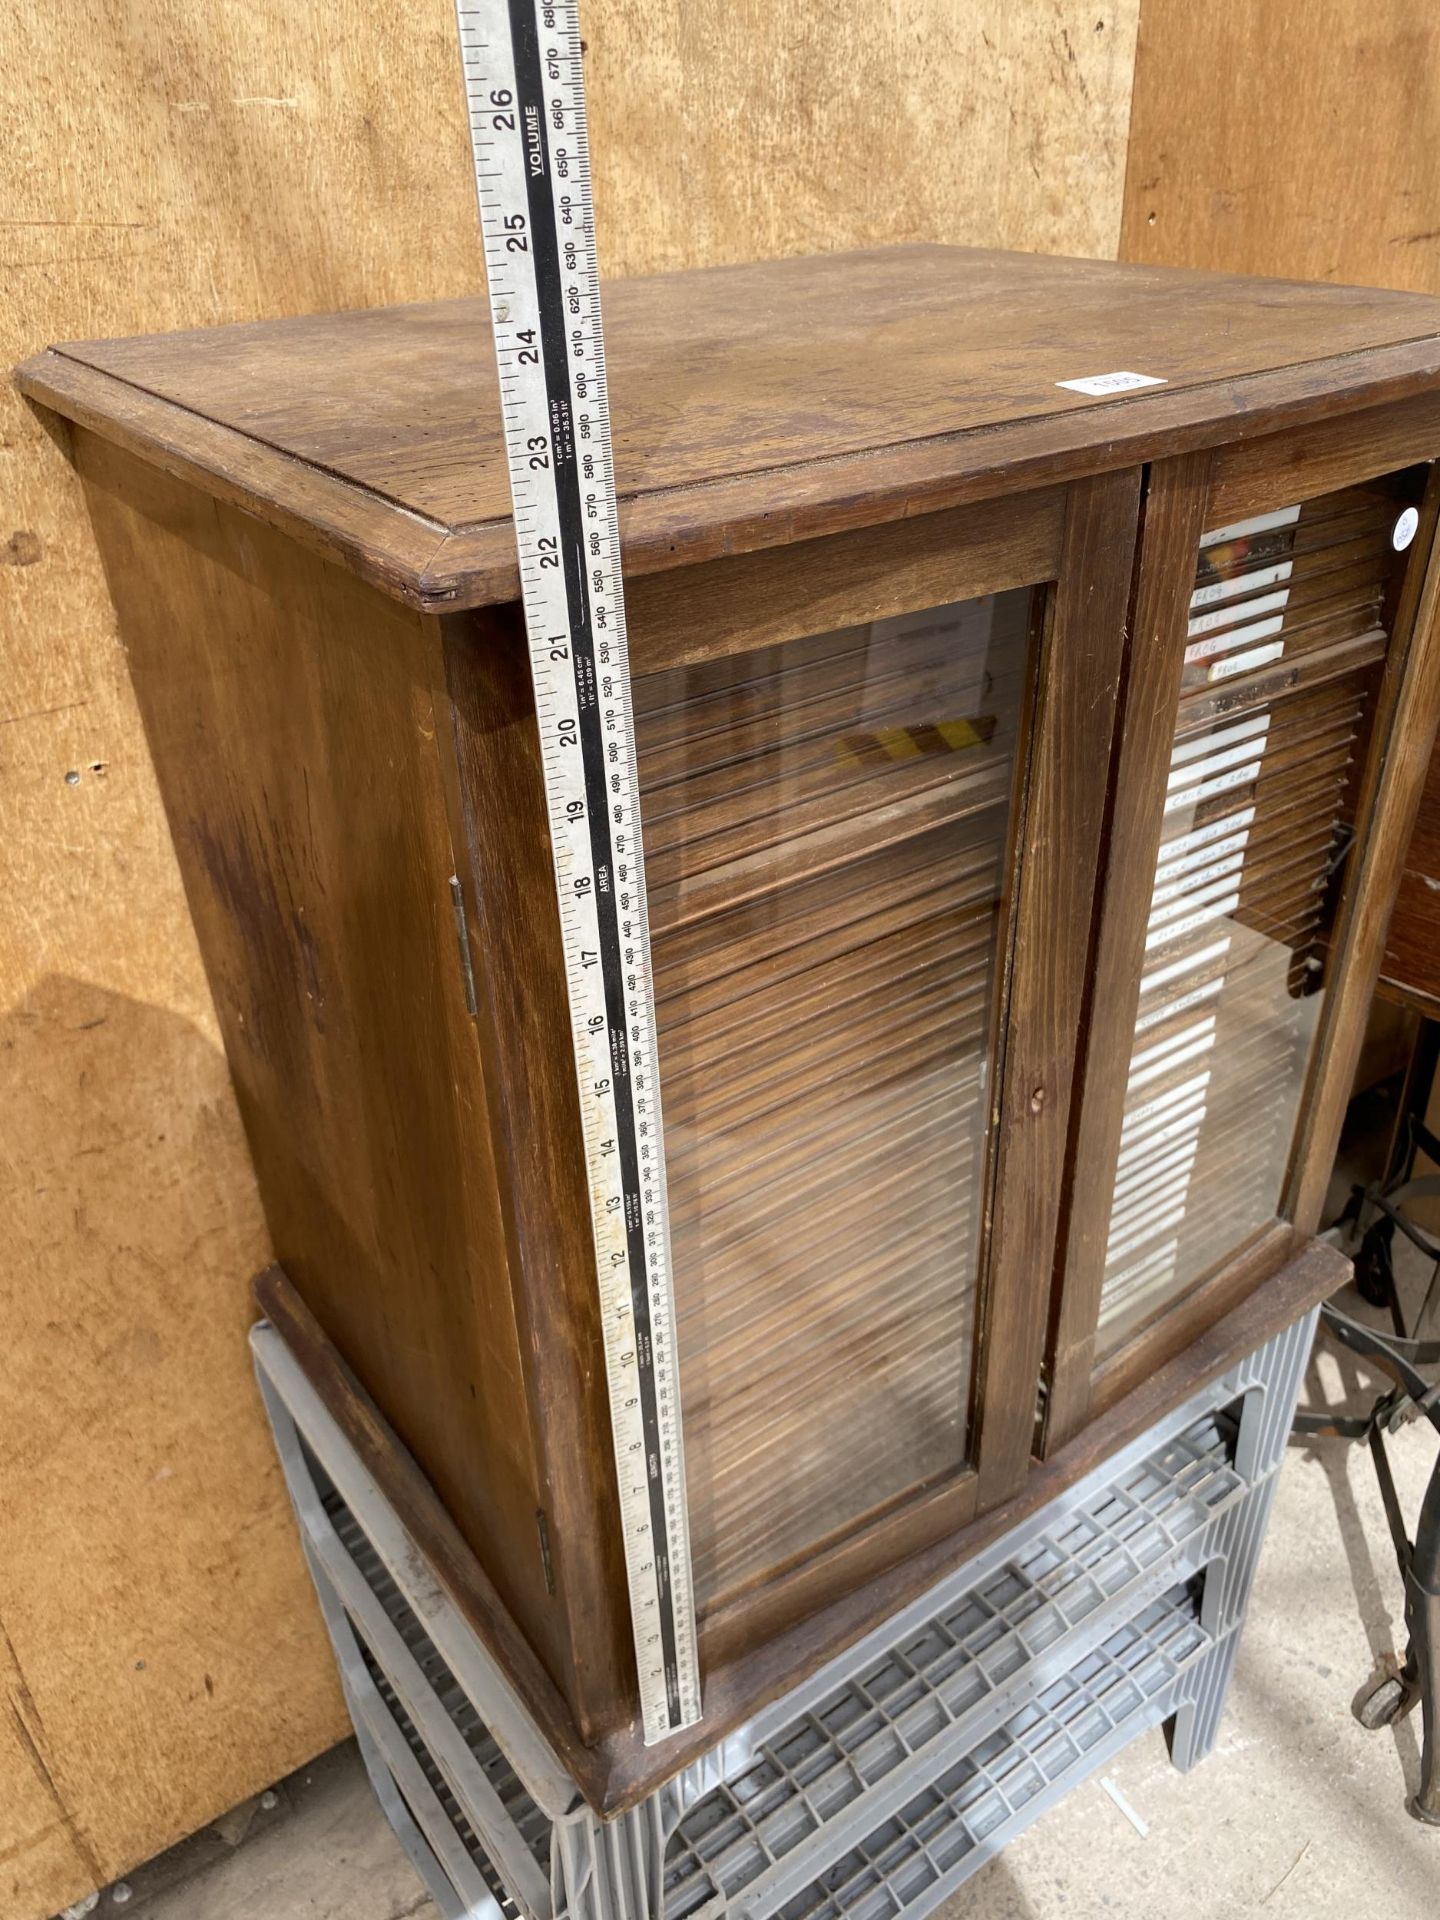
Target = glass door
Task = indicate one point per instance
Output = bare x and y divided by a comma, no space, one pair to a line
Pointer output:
871,848
827,824
1284,649
1285,640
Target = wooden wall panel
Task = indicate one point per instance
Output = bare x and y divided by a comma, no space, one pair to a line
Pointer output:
166,165
1299,138
738,130
173,164
1289,137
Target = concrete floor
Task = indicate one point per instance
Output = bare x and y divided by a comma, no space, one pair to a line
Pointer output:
1298,1813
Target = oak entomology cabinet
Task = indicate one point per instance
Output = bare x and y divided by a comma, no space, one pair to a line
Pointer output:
1026,769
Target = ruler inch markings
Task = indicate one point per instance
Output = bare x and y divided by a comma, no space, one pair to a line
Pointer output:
526,111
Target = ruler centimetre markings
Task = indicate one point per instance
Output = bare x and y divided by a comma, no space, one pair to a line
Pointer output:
525,94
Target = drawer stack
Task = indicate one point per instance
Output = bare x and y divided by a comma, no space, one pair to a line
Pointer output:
880,1784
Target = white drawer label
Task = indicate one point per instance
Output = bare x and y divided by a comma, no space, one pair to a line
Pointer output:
1239,587
1241,529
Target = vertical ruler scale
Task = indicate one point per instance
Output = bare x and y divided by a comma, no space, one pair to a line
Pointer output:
526,99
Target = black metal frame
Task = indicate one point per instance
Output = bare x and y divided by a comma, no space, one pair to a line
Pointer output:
1399,1356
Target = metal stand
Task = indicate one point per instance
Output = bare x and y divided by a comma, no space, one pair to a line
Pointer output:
880,1784
1378,1214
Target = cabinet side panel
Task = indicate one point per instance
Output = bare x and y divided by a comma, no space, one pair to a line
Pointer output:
524,1022
290,715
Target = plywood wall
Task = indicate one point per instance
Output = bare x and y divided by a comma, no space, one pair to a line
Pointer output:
738,130
1290,137
169,163
166,165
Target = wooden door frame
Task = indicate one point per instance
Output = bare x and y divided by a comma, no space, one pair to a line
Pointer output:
1067,800
1172,522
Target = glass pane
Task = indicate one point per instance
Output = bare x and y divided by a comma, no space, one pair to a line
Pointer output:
1288,627
825,833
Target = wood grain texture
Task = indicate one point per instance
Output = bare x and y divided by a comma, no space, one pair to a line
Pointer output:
1417,977
413,1195
916,121
752,406
1292,137
1173,520
734,371
491,747
178,168
1057,847
733,1685
1300,463
1348,590
164,165
827,926
299,758
689,614
1410,965
1246,1275
149,1579
168,165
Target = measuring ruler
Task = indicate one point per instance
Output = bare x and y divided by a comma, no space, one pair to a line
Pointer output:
526,98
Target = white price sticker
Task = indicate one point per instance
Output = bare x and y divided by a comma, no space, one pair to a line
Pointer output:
1097,385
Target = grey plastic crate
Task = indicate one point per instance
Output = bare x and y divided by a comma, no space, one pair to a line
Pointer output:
946,1831
878,1784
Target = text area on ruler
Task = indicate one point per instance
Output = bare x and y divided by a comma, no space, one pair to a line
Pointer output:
526,100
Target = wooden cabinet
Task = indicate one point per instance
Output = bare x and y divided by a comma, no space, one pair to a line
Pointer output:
1024,770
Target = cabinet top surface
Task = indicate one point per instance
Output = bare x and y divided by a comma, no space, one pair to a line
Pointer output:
751,405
